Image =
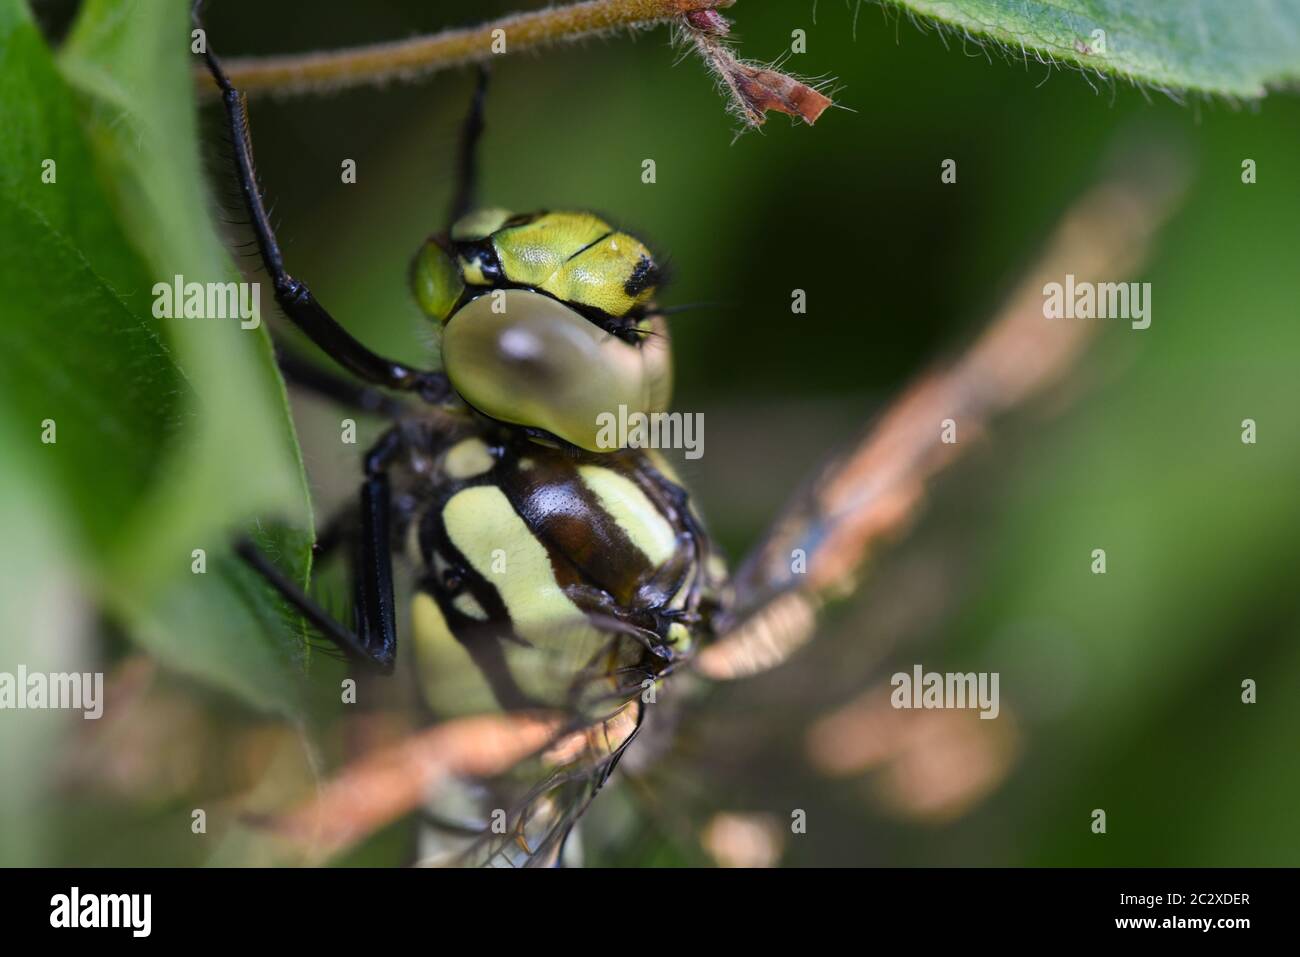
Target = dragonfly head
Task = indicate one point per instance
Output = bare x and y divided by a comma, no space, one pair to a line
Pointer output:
546,321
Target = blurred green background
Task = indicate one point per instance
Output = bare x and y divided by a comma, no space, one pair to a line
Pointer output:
1120,691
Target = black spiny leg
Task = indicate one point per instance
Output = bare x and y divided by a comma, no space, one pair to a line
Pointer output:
374,639
679,499
302,372
467,157
372,574
297,301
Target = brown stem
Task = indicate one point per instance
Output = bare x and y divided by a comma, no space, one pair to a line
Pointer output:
383,786
419,56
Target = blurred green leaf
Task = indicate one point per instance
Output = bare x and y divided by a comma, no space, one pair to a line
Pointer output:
75,295
171,433
46,627
1212,46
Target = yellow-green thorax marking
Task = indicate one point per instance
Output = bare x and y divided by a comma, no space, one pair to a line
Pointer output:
523,545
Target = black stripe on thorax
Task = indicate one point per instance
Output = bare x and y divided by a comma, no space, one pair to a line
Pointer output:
585,543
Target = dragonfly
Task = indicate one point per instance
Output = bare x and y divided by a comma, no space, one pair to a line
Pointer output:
553,571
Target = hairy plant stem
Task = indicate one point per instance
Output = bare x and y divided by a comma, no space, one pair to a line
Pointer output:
419,56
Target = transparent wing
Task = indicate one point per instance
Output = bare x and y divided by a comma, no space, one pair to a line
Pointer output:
818,544
495,787
523,816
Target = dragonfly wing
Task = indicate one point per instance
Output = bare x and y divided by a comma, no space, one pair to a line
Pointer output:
816,547
524,817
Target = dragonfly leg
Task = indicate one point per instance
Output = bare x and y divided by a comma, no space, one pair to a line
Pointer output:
302,372
293,295
466,189
678,499
373,636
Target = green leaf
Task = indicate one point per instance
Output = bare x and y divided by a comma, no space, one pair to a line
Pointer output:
1237,48
45,630
172,433
73,290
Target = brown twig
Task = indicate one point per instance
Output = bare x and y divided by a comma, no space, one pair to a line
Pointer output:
420,56
753,89
382,787
873,493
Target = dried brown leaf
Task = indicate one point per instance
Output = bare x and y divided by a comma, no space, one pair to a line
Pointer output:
755,89
765,90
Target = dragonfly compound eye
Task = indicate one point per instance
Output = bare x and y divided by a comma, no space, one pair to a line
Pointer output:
436,281
527,359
